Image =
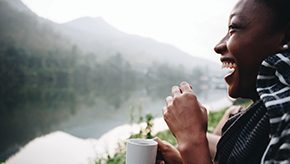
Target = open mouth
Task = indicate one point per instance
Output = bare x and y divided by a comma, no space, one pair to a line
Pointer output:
229,65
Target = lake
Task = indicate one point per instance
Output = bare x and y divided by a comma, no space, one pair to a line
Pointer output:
70,119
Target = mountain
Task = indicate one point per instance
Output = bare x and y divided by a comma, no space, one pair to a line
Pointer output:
21,28
97,36
17,4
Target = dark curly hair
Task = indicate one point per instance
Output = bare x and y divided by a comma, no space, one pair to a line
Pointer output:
281,11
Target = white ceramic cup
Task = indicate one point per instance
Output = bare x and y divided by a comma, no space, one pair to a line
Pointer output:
141,151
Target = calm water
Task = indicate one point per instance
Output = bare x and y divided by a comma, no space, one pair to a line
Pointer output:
33,111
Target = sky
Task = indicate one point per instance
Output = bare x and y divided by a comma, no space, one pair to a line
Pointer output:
193,26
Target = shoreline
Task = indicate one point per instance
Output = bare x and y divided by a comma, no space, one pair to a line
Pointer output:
60,147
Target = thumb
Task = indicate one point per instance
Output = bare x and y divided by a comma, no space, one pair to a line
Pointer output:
162,145
159,141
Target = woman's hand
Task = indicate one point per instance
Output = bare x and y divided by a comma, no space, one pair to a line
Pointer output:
167,153
184,115
187,120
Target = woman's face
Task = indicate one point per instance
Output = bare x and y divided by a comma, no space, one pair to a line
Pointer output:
248,42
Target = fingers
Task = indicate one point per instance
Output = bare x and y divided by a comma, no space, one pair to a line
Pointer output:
234,109
238,109
168,100
185,87
159,158
168,152
164,110
190,86
175,91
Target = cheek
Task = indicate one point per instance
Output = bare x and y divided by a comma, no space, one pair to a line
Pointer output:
234,46
244,52
244,56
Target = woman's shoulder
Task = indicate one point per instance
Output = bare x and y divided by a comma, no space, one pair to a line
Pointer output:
244,115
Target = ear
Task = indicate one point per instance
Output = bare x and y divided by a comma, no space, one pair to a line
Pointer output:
286,40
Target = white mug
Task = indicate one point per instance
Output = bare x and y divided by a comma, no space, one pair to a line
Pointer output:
141,151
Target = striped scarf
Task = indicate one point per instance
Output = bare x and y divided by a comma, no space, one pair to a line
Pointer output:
263,130
273,86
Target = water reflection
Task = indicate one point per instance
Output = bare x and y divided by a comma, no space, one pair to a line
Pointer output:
56,147
30,111
60,147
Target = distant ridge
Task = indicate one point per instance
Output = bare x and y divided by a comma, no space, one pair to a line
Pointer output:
17,4
97,36
96,26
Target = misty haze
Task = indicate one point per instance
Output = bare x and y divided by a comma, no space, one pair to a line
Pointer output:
83,78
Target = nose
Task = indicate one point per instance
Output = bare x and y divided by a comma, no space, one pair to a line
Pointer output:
221,46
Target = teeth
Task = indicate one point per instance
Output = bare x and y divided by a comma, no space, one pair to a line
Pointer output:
228,65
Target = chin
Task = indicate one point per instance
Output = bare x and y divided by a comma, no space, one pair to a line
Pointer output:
249,95
233,96
232,92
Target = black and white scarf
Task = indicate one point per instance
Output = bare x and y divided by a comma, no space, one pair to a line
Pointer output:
273,86
261,134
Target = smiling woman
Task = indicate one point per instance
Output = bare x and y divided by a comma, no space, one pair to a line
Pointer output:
256,47
245,45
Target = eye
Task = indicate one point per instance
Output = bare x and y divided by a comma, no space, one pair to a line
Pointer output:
232,28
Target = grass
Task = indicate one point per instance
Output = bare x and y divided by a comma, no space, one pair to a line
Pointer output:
120,155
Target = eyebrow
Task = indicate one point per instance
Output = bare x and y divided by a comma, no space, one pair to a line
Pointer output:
242,17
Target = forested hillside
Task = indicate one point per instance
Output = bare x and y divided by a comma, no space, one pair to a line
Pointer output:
32,50
49,70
